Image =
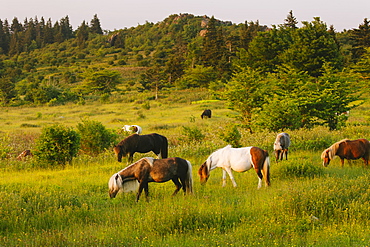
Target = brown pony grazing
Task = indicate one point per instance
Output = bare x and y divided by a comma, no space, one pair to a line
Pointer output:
153,170
239,160
347,149
141,144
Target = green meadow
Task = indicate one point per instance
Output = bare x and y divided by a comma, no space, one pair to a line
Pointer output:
306,205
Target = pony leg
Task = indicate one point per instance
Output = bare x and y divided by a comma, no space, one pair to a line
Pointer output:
260,177
130,158
228,170
223,178
143,186
178,185
146,189
342,162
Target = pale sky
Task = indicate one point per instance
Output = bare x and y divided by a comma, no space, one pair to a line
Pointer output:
118,14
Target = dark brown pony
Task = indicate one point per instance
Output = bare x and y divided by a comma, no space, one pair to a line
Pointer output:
347,149
141,144
148,170
206,114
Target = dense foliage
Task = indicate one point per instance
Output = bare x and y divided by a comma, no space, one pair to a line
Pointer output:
57,145
46,63
95,138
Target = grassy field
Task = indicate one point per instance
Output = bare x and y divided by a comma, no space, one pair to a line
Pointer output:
307,205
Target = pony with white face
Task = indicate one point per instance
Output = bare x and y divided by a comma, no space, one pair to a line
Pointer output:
239,160
132,129
281,146
137,176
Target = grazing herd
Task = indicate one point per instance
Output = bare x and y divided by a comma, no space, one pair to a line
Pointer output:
136,176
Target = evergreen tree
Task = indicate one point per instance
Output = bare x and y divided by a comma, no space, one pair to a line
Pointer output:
3,40
291,21
361,38
16,26
95,25
48,33
82,34
5,37
214,52
248,32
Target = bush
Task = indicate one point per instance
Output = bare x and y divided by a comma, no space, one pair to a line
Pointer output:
232,136
95,138
192,134
57,145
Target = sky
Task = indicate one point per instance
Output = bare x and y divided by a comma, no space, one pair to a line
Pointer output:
119,14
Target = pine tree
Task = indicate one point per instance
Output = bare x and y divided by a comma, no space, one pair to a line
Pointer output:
82,34
291,21
361,39
214,53
95,25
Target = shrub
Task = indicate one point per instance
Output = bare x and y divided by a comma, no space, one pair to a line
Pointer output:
192,134
231,135
57,145
95,138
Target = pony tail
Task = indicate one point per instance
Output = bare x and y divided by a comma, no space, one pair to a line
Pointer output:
266,170
189,179
164,149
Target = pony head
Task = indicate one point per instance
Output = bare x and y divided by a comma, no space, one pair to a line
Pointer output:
120,152
115,185
326,156
203,173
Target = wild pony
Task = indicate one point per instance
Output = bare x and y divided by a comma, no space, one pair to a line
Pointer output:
141,144
347,149
148,170
281,146
132,129
239,160
206,114
24,154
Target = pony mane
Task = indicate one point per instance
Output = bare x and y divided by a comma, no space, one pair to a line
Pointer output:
114,183
209,159
332,150
150,160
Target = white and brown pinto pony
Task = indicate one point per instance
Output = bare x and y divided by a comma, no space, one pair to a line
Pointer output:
239,160
132,129
347,149
281,146
148,170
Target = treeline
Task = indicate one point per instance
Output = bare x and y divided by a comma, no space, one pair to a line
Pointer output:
41,62
33,34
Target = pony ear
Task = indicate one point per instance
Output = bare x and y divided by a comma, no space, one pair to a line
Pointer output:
117,176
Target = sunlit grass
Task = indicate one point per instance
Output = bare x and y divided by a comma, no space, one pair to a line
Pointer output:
310,206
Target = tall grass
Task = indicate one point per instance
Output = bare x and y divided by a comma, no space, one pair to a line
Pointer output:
307,204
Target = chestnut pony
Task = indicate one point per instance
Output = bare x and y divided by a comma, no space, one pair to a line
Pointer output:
239,160
141,144
347,149
148,170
